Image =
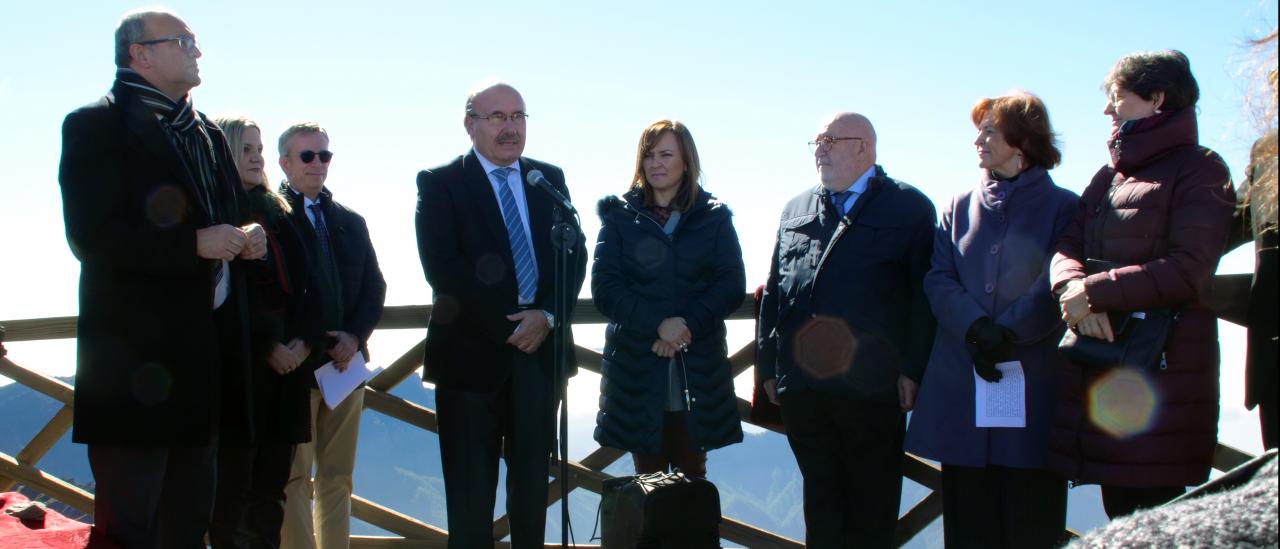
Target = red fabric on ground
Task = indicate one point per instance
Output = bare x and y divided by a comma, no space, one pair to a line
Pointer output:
54,531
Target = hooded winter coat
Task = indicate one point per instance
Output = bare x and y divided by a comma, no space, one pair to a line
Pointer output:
1162,208
641,276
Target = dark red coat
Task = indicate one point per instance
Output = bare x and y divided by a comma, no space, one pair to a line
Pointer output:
1162,208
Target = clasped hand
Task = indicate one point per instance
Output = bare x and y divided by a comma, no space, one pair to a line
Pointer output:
673,336
1074,303
226,242
284,359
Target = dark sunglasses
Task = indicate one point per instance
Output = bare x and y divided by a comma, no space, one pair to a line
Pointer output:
308,156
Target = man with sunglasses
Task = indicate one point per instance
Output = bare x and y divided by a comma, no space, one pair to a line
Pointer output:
343,303
485,243
845,332
153,209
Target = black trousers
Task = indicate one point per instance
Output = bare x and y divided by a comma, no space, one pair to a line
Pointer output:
152,497
850,455
516,421
1002,507
248,510
1119,501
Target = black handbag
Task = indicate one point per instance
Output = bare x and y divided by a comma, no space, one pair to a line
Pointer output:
1140,337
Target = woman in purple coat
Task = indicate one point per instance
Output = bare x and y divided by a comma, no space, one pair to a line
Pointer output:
989,288
1159,214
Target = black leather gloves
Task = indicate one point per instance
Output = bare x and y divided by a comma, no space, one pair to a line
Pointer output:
992,343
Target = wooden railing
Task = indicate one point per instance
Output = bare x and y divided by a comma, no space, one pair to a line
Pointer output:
587,473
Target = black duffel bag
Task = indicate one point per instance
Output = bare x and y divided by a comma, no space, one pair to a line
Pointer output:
659,510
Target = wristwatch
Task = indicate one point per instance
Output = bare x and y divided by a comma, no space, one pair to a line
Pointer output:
551,319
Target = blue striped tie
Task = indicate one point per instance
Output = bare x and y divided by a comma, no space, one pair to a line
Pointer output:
526,271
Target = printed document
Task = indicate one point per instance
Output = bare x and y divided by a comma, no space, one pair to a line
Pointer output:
335,385
1003,403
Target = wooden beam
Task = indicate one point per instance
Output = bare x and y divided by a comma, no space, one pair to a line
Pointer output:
39,329
386,403
47,484
588,359
750,536
47,437
921,472
402,368
42,442
742,359
393,521
383,542
35,380
403,317
1226,458
918,518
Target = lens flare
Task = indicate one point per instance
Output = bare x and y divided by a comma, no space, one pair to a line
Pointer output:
166,206
824,347
1122,403
490,269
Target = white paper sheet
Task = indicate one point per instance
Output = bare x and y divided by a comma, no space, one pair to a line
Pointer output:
335,385
1004,403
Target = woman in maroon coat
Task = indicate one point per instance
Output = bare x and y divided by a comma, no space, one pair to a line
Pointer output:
1159,213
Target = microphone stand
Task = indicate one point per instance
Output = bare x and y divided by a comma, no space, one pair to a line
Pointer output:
564,238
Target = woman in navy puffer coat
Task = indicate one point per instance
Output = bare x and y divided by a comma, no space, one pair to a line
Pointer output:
667,271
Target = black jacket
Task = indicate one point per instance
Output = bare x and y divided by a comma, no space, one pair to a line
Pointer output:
466,256
152,368
640,277
363,288
277,285
844,310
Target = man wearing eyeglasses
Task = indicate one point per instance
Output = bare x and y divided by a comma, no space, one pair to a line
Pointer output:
845,332
153,209
485,243
342,304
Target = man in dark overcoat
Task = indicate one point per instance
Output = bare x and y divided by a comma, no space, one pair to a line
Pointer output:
845,332
153,206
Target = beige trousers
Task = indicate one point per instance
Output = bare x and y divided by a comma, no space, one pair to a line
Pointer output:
333,452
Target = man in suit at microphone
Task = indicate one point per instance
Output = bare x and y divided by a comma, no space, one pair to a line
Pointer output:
484,238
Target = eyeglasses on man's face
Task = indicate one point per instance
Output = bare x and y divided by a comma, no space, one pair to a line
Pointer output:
824,143
185,43
307,156
500,118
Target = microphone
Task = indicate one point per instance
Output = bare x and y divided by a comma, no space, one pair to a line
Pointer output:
536,179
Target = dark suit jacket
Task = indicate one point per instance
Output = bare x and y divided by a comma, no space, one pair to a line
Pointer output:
364,290
466,256
148,370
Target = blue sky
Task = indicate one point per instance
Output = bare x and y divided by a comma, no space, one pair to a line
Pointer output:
751,79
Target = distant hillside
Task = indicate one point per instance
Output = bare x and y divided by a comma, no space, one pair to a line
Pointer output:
398,466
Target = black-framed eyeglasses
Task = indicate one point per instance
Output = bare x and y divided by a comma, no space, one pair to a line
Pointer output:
308,156
824,143
185,43
499,118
